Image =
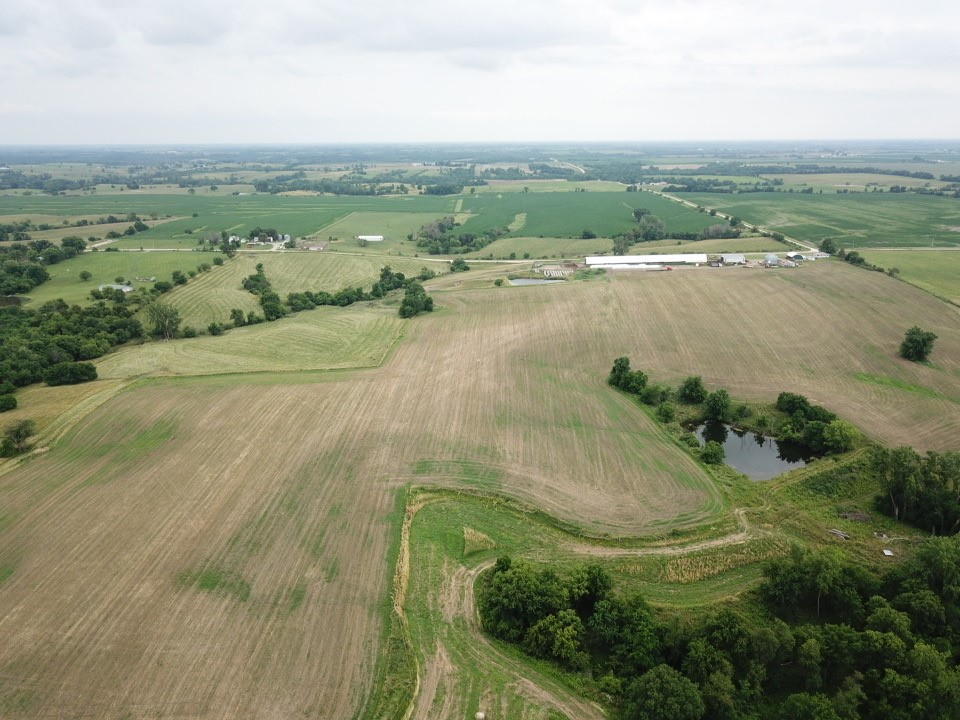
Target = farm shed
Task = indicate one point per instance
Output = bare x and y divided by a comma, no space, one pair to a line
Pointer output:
796,256
116,286
370,238
771,260
629,260
734,259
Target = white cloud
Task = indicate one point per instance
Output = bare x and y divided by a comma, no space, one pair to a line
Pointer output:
290,70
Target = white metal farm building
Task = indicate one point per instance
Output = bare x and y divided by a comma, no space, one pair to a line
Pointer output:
370,238
626,261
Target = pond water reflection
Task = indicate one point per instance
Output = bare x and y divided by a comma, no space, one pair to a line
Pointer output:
757,456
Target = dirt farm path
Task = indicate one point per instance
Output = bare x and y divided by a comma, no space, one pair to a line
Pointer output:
457,598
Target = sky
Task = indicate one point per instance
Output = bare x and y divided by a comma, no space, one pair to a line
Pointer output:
298,71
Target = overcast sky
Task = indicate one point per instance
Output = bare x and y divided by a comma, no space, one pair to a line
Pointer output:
291,71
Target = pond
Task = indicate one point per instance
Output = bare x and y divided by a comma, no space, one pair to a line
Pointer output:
759,457
533,281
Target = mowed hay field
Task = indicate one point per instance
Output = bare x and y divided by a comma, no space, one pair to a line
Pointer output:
217,547
323,339
210,297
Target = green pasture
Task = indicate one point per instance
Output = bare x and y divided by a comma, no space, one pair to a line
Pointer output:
933,270
105,267
855,220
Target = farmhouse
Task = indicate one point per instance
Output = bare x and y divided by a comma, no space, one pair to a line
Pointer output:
370,238
643,262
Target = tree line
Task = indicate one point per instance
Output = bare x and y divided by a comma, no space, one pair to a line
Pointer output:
795,419
821,639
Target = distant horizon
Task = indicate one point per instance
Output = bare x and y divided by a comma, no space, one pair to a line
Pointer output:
202,73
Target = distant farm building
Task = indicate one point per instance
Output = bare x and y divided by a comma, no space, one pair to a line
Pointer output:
771,260
316,245
370,238
798,257
645,262
733,259
116,286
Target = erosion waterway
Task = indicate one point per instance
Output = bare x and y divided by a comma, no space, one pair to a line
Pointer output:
759,457
533,281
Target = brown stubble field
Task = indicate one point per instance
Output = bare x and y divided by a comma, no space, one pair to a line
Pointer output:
219,548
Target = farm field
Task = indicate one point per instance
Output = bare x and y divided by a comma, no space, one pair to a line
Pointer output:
853,181
936,271
299,216
858,220
326,338
246,526
105,267
568,215
499,186
211,297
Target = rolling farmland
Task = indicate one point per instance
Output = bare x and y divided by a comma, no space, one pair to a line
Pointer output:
212,528
855,220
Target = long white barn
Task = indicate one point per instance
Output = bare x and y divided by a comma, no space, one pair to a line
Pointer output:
628,260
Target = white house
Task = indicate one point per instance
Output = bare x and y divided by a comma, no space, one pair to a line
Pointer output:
370,238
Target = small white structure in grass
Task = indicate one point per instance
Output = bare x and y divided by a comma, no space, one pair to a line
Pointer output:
888,553
480,716
606,261
370,238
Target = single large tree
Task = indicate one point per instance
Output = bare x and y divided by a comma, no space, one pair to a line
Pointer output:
917,344
165,319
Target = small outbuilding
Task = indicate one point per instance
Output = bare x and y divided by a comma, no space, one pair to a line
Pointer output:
732,259
370,238
116,286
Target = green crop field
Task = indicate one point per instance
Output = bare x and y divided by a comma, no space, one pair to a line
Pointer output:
854,220
569,214
936,271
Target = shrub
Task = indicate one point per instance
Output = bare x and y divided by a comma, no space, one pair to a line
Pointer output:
692,390
713,453
666,412
189,331
7,402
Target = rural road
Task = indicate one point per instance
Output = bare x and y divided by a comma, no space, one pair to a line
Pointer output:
807,247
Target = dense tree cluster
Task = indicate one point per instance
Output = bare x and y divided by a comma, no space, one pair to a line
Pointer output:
921,490
814,426
437,237
825,639
34,341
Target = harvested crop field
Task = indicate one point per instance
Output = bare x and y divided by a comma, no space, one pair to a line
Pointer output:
220,546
